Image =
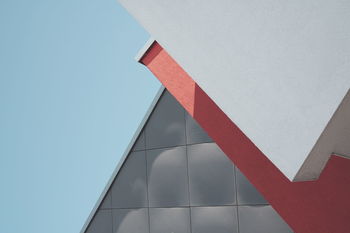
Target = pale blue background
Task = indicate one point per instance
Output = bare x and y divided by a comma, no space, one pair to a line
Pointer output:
71,97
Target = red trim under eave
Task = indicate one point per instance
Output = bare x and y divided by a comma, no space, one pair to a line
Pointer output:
321,206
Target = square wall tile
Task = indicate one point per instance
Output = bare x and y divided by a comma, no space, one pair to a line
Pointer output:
170,220
247,194
261,219
129,189
140,143
130,221
222,219
107,201
101,223
166,125
211,176
167,177
194,132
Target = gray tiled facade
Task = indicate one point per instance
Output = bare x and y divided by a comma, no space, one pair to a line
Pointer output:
129,190
167,177
211,176
170,220
218,219
177,180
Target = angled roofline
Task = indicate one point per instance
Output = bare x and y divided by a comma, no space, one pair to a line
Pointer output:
126,152
143,51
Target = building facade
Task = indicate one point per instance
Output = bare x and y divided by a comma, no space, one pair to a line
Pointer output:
268,81
175,179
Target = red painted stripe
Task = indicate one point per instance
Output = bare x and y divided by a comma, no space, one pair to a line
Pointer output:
321,206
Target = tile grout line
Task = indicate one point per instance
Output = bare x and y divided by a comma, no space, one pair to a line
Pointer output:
188,174
112,220
236,187
147,194
188,206
170,147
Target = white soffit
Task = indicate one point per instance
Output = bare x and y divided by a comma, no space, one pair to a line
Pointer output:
278,69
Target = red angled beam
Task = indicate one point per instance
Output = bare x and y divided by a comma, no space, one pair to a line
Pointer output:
321,206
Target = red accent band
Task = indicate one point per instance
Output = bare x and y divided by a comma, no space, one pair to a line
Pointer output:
321,206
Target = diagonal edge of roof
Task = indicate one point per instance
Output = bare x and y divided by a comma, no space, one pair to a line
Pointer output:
142,52
123,158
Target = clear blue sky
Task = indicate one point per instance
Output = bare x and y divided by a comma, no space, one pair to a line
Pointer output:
71,97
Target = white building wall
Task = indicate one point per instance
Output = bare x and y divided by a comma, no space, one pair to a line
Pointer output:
278,69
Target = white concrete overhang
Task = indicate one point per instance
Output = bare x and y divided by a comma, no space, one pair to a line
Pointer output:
280,70
145,48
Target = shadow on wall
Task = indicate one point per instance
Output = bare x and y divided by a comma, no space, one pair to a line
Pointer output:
323,202
313,206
